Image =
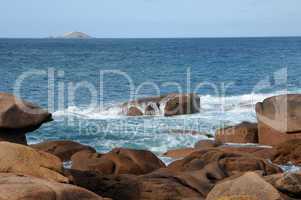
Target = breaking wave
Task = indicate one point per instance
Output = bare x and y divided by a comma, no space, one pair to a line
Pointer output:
235,105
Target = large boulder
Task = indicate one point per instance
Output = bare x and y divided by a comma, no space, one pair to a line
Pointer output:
164,185
248,186
17,187
161,184
118,161
62,149
16,158
121,187
18,117
223,162
170,104
279,119
244,132
288,153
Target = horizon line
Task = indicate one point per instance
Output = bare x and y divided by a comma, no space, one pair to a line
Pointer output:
181,37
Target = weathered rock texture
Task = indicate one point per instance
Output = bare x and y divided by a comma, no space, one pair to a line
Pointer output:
62,149
279,119
16,158
18,117
244,132
250,186
19,187
118,161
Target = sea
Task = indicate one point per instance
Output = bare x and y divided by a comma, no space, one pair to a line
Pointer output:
83,82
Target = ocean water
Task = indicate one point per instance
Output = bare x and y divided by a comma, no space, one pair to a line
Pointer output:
82,82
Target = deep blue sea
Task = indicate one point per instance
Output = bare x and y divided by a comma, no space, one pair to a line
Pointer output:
82,81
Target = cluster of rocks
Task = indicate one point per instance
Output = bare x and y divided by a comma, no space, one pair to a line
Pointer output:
212,170
167,105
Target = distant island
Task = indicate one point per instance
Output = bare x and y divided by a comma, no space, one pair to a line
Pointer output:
73,35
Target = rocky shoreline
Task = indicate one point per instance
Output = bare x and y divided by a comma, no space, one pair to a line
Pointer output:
214,169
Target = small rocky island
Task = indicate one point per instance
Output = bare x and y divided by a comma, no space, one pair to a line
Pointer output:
73,35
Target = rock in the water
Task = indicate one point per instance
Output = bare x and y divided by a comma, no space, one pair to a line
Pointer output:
288,152
152,109
244,132
62,149
279,119
16,158
179,104
171,104
133,111
248,186
118,161
18,187
223,162
18,117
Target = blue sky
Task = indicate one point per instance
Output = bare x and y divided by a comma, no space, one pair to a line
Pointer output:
151,18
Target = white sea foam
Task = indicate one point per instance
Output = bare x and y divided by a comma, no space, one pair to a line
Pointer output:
111,112
242,107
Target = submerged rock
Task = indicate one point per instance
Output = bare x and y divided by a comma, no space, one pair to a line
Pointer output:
62,149
18,117
244,132
17,187
16,158
118,161
279,119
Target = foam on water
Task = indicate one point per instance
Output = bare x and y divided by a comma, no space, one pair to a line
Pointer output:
242,107
153,132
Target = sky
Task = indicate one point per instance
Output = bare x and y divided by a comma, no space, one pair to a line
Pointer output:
150,18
